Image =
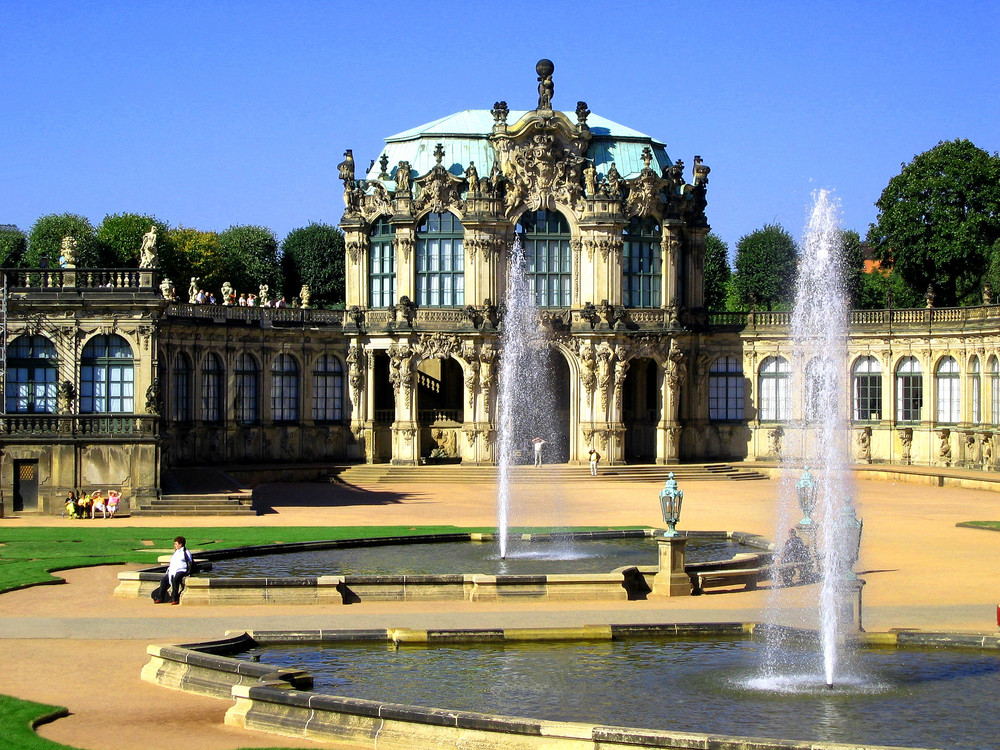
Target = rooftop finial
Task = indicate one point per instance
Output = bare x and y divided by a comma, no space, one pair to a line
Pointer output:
439,153
544,69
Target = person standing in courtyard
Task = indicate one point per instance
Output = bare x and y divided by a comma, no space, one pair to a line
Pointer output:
537,444
594,458
181,563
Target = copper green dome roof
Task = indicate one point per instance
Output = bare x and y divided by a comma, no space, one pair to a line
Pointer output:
465,138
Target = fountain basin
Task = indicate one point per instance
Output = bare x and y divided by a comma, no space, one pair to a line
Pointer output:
278,699
608,583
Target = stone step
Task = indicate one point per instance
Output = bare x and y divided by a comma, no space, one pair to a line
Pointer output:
198,505
242,511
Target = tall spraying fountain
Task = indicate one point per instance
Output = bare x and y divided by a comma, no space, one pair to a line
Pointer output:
524,399
820,439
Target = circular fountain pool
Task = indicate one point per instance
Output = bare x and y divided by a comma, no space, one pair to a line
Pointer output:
898,697
554,554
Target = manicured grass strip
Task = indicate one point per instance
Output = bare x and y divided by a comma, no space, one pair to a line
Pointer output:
18,720
988,525
28,556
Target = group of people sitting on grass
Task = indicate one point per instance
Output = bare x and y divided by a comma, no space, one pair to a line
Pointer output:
83,505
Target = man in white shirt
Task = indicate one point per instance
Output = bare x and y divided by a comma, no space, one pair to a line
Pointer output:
181,563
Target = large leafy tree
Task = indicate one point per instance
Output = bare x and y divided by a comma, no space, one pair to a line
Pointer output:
46,236
853,257
939,221
120,237
765,268
13,245
192,252
248,258
314,255
717,272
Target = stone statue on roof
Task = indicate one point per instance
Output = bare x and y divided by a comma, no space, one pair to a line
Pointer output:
472,175
546,88
147,251
403,178
346,168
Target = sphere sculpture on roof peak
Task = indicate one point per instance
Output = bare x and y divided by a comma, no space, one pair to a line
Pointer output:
544,69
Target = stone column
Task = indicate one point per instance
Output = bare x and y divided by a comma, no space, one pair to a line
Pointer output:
670,579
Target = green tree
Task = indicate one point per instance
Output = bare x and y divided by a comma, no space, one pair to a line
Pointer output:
765,268
13,245
120,237
46,236
248,258
852,254
192,252
939,220
717,272
314,255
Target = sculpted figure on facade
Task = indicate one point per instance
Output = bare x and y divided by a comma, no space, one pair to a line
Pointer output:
487,357
701,171
944,448
604,355
228,293
588,370
166,288
401,371
193,290
439,188
613,182
66,397
403,179
906,440
499,113
147,251
774,437
346,169
986,449
546,88
305,296
355,375
621,367
263,298
865,445
472,177
676,370
590,179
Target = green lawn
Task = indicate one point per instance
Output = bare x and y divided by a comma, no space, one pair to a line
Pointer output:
29,556
989,525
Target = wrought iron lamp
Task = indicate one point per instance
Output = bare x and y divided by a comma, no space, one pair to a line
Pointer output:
671,499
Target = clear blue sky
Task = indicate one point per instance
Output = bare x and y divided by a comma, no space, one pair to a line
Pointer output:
209,114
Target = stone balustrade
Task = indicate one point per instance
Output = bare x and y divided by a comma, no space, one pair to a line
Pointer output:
54,426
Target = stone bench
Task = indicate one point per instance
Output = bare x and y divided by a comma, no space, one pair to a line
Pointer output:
746,577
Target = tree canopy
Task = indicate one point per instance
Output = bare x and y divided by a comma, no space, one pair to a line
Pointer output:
120,237
765,268
46,236
939,221
248,258
314,255
13,245
192,252
717,272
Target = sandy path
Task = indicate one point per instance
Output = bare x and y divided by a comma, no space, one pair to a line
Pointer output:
78,646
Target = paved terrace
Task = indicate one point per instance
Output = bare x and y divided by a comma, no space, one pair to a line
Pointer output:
78,646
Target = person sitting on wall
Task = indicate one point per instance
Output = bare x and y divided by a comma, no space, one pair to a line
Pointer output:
114,498
795,558
98,504
180,563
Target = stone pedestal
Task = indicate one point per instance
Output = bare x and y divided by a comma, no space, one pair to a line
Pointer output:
850,603
671,580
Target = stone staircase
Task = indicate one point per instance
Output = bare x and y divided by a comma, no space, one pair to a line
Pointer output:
225,504
369,474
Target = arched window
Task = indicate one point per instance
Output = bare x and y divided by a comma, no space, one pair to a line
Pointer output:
212,394
328,389
948,400
866,389
381,264
107,376
32,376
246,403
641,264
909,390
180,403
993,365
976,391
440,261
773,389
725,390
545,236
285,389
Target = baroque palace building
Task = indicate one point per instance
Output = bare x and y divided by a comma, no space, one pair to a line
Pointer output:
109,385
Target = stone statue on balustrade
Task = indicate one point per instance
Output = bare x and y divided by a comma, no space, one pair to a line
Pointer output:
68,257
304,296
147,251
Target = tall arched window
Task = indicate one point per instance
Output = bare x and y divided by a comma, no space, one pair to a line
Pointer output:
107,376
641,264
212,392
246,404
993,365
180,402
866,389
32,376
440,261
381,264
328,389
773,389
545,236
909,390
285,389
975,390
948,400
725,390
